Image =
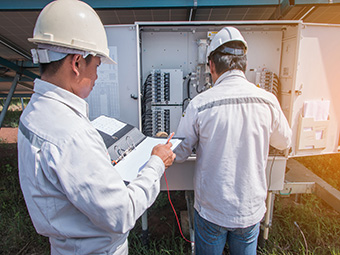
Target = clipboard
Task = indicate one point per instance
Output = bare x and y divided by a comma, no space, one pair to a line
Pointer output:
129,149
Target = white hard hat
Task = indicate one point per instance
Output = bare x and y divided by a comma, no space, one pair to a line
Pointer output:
72,24
225,35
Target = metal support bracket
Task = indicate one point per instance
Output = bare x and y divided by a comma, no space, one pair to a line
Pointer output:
189,196
296,188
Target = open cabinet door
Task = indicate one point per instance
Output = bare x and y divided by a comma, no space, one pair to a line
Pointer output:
316,106
116,91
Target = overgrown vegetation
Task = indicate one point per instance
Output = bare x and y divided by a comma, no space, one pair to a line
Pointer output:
325,166
307,226
14,111
18,235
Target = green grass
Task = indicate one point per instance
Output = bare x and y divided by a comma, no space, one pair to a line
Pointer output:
171,244
164,235
305,227
13,113
325,166
11,119
17,231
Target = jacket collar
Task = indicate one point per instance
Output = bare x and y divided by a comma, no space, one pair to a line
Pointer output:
54,92
229,74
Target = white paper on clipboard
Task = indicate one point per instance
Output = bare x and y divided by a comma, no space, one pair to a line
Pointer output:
129,167
136,152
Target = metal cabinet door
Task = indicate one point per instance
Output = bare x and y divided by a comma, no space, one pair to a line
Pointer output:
317,84
116,91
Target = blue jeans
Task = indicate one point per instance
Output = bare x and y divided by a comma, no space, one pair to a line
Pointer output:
210,238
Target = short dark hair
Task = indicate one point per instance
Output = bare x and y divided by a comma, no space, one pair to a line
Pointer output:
226,62
54,66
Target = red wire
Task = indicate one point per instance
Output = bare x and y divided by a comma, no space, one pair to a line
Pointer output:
173,208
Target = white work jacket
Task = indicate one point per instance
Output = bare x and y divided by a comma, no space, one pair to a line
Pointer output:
231,126
73,194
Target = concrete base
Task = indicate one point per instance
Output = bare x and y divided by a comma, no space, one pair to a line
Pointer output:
185,223
299,173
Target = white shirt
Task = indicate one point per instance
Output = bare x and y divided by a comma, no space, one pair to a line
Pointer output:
72,192
231,126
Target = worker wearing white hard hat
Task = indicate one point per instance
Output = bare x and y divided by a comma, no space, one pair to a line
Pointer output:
231,127
224,36
73,193
68,27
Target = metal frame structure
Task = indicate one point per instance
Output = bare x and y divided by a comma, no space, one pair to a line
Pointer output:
20,71
135,4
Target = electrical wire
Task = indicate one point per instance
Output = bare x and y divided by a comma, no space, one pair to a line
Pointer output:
146,100
188,83
183,105
199,91
270,82
173,208
278,86
188,87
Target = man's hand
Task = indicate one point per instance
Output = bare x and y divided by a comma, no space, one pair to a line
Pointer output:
165,153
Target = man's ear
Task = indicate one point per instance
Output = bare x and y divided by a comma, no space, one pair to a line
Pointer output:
212,67
214,74
76,63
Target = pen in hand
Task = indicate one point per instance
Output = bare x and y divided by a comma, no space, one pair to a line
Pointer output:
170,136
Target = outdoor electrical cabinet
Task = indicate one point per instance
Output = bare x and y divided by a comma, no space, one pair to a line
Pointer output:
162,66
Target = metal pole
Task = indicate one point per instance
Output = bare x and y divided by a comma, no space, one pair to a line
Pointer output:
145,231
311,9
9,98
268,215
189,195
22,103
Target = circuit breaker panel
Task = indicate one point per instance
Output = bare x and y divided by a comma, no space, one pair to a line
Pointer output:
269,81
162,100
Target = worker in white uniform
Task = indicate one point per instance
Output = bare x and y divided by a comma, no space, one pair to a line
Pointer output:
73,193
231,127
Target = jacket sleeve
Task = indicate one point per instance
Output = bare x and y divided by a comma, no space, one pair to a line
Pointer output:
95,188
281,133
187,129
